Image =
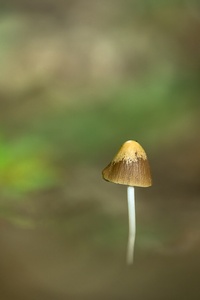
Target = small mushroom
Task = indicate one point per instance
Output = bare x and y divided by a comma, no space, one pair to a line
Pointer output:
129,167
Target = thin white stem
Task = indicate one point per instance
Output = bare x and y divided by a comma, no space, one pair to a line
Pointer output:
132,224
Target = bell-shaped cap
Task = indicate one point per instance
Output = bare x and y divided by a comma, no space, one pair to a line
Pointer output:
130,166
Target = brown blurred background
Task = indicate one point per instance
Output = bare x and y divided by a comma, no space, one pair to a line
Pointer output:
78,78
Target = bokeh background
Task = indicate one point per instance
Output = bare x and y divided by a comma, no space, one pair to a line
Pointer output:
77,79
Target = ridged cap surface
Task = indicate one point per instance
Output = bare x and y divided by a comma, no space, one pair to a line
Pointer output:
130,166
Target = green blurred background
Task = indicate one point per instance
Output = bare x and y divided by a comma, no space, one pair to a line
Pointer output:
78,78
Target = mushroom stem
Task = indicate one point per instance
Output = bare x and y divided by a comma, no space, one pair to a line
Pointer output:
132,224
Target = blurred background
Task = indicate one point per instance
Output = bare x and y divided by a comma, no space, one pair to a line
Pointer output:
78,78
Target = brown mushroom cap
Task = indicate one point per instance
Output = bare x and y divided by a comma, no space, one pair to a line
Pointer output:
130,166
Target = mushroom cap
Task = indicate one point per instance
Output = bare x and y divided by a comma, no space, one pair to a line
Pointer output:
130,166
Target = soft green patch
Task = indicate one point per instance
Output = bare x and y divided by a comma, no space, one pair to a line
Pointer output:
24,167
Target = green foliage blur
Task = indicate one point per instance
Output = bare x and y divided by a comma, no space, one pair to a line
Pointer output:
24,168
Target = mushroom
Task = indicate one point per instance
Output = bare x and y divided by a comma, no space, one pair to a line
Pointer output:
129,167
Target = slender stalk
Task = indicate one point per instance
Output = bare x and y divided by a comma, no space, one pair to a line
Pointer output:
132,224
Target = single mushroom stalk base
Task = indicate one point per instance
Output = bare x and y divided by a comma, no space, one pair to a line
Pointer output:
132,224
130,167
